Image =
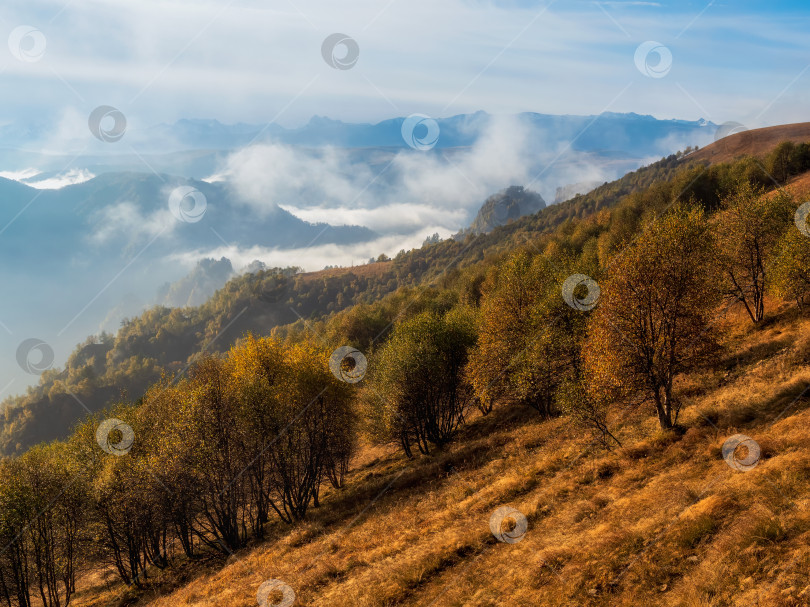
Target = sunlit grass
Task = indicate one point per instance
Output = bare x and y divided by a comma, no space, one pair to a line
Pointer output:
662,521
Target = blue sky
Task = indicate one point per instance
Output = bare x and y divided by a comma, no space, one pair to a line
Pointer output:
256,61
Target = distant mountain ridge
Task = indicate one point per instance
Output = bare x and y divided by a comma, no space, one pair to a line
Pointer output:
609,131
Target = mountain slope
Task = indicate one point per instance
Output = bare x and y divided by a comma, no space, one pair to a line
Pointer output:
162,338
167,339
756,142
88,255
662,521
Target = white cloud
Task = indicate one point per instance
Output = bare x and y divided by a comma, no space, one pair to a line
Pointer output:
266,175
315,257
387,219
405,190
53,182
22,175
158,61
71,177
408,189
125,220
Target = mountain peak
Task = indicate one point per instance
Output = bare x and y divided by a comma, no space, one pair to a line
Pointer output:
507,205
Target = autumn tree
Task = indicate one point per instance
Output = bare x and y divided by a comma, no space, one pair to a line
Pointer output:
655,316
528,337
418,393
42,526
791,266
56,518
213,447
782,162
163,442
16,571
298,419
128,522
748,228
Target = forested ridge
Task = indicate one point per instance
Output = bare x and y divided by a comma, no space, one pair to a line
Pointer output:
581,313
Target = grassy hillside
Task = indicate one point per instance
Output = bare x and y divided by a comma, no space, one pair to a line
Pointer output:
661,521
756,142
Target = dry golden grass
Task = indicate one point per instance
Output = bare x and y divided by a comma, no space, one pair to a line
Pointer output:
756,142
662,521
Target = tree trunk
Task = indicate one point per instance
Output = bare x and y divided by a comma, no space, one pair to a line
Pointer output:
663,407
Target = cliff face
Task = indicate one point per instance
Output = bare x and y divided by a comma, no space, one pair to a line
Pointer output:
505,206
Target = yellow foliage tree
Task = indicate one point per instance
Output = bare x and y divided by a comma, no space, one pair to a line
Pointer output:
655,317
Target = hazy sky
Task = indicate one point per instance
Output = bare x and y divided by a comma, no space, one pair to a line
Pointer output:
257,61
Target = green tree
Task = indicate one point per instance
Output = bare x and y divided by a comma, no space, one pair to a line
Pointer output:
418,394
748,229
782,162
528,337
791,266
